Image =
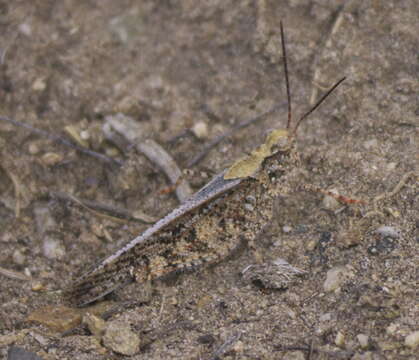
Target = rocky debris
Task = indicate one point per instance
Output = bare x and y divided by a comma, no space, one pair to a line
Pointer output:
200,130
363,340
57,318
388,231
277,274
412,340
336,277
18,353
120,338
53,248
96,325
62,318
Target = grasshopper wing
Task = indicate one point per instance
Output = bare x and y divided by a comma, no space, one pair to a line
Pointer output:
117,270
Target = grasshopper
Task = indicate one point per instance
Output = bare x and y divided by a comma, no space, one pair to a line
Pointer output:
222,216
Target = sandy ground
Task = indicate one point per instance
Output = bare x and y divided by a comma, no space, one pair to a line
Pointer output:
171,65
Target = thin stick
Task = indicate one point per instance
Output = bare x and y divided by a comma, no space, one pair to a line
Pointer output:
116,214
318,104
62,141
396,189
287,83
18,192
14,274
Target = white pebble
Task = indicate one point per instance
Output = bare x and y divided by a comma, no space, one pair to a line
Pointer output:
18,257
363,340
412,340
336,277
25,29
286,229
52,249
388,231
200,129
120,338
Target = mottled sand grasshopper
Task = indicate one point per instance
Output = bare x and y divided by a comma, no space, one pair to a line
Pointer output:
229,211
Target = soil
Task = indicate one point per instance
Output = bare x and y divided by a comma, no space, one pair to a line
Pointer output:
171,65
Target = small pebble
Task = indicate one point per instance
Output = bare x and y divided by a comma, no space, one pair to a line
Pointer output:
27,272
336,277
286,229
370,144
393,212
363,340
340,339
277,274
249,207
412,340
44,219
98,229
120,338
52,248
388,231
326,317
74,133
238,347
96,325
18,353
200,129
392,329
25,29
18,257
251,199
51,159
329,202
33,148
37,286
311,244
39,85
112,151
85,134
42,340
391,166
6,237
382,246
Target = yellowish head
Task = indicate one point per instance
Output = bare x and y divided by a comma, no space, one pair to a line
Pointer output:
276,141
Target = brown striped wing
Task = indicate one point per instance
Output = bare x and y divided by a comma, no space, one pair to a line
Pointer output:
120,268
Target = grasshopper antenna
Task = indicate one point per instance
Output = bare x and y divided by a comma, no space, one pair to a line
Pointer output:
287,83
317,104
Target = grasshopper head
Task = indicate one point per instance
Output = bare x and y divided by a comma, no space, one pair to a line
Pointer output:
277,141
280,140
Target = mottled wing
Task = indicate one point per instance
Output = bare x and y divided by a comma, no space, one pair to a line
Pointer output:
119,268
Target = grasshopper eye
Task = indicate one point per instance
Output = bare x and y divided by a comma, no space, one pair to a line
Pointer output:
282,144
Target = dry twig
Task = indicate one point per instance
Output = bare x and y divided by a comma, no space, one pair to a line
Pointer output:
62,141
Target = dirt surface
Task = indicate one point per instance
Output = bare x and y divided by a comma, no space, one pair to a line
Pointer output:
171,65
